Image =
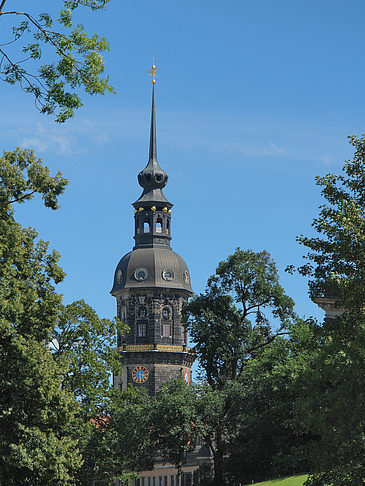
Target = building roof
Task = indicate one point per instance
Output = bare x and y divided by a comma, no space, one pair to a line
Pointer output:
152,268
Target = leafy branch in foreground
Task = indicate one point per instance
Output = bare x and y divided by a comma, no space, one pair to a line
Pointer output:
336,258
78,58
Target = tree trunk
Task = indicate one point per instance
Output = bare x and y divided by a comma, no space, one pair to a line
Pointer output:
218,463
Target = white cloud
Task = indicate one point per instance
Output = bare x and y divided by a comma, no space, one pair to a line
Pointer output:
65,140
325,159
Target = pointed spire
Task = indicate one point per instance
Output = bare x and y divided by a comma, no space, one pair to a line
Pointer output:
152,178
153,143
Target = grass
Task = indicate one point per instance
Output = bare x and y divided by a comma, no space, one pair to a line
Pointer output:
290,481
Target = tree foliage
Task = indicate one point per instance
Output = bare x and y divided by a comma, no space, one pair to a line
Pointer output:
336,261
331,385
35,411
263,443
52,58
55,360
164,426
85,346
241,315
235,316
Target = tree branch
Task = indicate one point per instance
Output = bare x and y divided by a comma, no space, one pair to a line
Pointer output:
269,341
266,301
15,65
2,6
38,26
46,33
22,197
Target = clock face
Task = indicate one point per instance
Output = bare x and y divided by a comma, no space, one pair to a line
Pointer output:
140,374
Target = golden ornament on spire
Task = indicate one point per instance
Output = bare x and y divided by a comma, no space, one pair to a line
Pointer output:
152,72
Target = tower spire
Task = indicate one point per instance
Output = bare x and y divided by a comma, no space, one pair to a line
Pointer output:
153,143
152,209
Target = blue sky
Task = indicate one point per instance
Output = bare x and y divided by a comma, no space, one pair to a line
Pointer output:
254,99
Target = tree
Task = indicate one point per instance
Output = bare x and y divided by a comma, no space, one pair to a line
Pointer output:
176,425
263,443
164,426
231,325
35,412
85,347
332,384
27,57
55,360
336,258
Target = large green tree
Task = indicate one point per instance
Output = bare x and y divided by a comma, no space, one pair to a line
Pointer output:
165,426
263,442
243,311
332,383
35,411
55,360
85,348
51,58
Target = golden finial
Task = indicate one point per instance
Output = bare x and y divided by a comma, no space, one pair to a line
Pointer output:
152,71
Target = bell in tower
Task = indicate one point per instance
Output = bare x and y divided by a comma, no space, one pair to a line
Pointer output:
151,283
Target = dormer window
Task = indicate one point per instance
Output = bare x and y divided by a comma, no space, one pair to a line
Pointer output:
119,276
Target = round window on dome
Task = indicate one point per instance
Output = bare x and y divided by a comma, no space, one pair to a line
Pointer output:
167,274
140,274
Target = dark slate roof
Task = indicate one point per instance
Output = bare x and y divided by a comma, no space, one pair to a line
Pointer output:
159,263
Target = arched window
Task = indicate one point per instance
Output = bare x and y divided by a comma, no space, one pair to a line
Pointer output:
142,331
168,227
159,226
146,227
166,330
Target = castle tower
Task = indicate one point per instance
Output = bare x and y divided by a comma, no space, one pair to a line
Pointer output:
151,283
